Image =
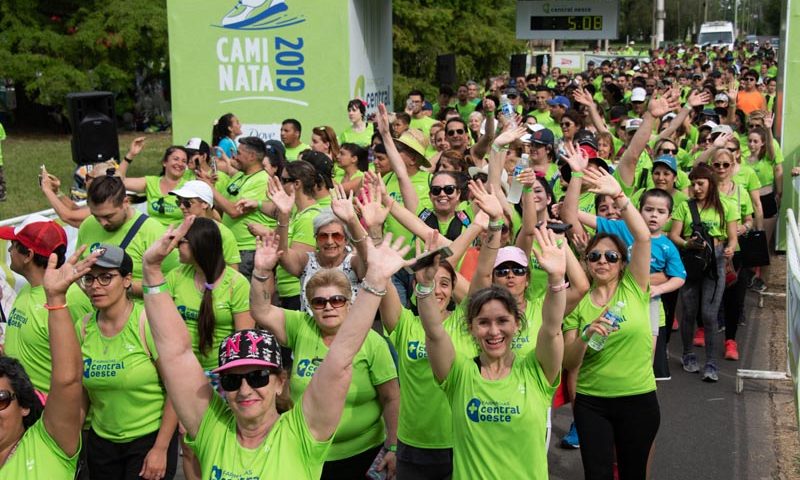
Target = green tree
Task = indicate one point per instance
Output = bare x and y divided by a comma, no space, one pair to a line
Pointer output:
51,48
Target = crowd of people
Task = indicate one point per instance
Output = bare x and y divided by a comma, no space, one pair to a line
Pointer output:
408,298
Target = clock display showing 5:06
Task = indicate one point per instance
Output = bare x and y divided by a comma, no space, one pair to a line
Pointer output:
568,22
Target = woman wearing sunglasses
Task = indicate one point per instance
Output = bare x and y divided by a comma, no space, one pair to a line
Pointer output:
243,434
619,377
369,424
36,443
133,425
702,296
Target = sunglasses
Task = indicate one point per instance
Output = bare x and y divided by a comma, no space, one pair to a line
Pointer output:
337,237
517,271
336,301
231,382
566,125
447,189
511,96
721,165
6,398
611,256
668,151
185,202
458,131
285,180
104,279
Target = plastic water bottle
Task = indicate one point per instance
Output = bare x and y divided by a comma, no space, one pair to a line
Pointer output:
614,314
515,189
507,109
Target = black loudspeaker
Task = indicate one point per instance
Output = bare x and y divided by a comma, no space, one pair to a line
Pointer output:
518,65
540,60
94,127
446,69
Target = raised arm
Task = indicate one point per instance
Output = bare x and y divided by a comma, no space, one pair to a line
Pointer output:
262,286
342,207
184,378
482,145
578,281
603,183
530,218
135,184
324,398
487,202
294,260
569,212
62,415
406,217
719,143
410,198
695,99
550,341
585,98
65,208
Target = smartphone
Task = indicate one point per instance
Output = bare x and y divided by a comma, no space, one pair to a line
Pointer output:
409,104
427,260
559,227
42,173
212,162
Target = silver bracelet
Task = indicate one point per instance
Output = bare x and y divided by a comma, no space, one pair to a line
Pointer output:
262,279
367,288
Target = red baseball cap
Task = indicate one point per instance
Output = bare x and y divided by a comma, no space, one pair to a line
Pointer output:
37,233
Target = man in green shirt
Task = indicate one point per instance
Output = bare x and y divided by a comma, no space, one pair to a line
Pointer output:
464,106
290,136
542,112
420,121
446,95
27,335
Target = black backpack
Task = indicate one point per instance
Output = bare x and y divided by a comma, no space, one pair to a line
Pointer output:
699,263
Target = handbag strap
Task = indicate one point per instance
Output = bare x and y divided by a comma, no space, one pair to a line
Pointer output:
133,231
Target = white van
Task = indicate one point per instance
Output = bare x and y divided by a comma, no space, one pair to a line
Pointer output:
716,34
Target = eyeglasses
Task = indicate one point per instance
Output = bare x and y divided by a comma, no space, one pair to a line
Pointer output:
458,131
611,256
337,237
517,271
567,124
104,279
511,96
185,202
6,398
447,189
336,301
285,180
668,151
721,165
231,382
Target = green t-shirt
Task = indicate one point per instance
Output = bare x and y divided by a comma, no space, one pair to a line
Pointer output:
125,391
747,177
361,426
625,365
230,250
709,217
765,169
424,124
362,138
293,152
230,296
421,183
91,233
288,451
38,456
301,229
507,417
27,334
163,208
251,187
465,110
739,197
223,180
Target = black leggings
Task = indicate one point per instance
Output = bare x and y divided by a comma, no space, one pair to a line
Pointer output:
733,299
350,467
625,424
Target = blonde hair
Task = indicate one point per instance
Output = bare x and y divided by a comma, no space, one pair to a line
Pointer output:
329,277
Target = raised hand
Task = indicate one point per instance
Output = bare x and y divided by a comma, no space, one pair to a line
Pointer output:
580,240
425,276
550,255
386,258
583,97
382,119
721,140
372,210
485,200
601,182
376,186
56,281
481,218
697,99
162,247
769,119
342,204
136,147
49,182
658,107
527,177
488,105
283,201
267,252
575,157
510,133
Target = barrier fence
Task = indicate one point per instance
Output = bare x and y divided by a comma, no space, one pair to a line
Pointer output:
793,303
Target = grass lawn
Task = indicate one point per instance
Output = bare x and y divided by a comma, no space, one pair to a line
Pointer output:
24,153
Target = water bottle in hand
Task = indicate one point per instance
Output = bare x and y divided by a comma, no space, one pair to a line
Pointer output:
515,189
507,109
614,315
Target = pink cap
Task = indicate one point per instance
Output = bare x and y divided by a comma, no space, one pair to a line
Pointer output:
511,254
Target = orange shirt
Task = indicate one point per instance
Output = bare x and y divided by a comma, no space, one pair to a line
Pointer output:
750,101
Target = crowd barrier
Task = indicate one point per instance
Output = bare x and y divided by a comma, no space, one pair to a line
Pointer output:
793,303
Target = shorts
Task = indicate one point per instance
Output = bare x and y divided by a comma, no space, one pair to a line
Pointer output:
769,205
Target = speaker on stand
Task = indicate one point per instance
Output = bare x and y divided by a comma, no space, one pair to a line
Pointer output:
94,127
446,69
519,65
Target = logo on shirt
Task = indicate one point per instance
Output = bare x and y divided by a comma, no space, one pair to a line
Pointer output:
188,313
307,367
218,473
491,411
16,318
101,368
519,342
416,350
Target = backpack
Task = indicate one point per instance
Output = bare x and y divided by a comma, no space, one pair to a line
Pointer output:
699,263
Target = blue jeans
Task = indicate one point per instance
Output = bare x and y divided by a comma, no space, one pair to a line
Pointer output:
703,297
402,282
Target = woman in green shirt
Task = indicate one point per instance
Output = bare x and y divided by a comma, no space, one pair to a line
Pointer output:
36,443
359,132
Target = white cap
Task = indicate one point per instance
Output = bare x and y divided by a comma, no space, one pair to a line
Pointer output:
195,189
485,169
721,129
721,97
667,117
709,124
638,94
633,124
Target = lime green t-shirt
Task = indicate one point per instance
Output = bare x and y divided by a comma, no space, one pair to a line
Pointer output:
747,177
91,233
465,110
163,208
507,417
765,169
709,217
288,451
230,250
362,138
424,124
124,388
38,456
251,187
739,197
229,297
27,333
293,152
361,426
421,183
625,365
223,180
301,229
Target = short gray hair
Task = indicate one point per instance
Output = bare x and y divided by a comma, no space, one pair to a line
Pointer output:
326,217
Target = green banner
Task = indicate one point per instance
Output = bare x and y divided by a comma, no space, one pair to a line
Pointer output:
788,110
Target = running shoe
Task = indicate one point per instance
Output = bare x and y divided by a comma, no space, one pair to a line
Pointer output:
699,337
690,363
663,379
758,285
731,350
570,440
710,373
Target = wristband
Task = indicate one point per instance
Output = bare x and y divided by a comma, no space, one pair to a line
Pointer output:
155,289
284,225
422,291
360,239
259,204
129,160
368,288
527,189
559,287
262,279
54,307
496,226
625,207
390,448
585,337
498,149
577,175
